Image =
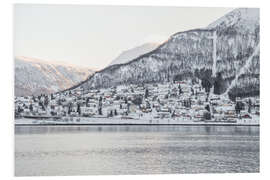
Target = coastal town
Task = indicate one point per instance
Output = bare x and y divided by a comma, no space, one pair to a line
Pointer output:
178,102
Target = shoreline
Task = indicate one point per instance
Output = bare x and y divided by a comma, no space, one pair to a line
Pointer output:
133,124
129,122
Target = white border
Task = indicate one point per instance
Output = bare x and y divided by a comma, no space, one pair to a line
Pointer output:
6,98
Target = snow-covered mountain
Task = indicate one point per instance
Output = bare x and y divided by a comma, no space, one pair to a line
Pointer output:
34,76
133,53
224,54
238,51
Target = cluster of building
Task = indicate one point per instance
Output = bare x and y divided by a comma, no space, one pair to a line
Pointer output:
173,100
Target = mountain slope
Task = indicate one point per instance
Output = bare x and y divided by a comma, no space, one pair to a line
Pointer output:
162,63
34,76
238,51
216,54
133,53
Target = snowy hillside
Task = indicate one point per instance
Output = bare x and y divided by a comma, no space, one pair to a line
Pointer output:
245,18
178,56
224,55
237,48
34,76
133,53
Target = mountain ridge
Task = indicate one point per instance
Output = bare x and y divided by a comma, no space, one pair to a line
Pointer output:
220,49
133,53
35,76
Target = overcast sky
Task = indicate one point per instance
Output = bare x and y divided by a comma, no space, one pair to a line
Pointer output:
92,36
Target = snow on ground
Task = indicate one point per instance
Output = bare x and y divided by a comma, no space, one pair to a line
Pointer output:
116,121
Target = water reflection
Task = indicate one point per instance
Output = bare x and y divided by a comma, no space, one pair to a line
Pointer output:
200,130
88,150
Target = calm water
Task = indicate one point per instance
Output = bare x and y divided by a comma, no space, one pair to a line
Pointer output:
91,150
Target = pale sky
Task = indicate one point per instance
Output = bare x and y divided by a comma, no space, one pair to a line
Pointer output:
92,36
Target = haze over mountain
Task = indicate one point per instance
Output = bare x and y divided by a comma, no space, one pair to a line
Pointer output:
225,55
35,76
133,53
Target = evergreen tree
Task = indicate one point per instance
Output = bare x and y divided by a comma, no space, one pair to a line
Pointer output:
218,84
166,96
43,107
100,106
238,107
207,115
100,99
46,102
31,107
137,100
59,102
207,107
179,89
206,84
79,109
192,91
69,108
111,113
128,107
52,97
249,105
20,109
40,103
146,93
173,114
189,102
100,110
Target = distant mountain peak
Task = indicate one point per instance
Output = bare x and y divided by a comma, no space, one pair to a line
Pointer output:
130,54
34,60
246,17
34,76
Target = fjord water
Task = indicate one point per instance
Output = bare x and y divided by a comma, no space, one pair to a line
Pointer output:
107,150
